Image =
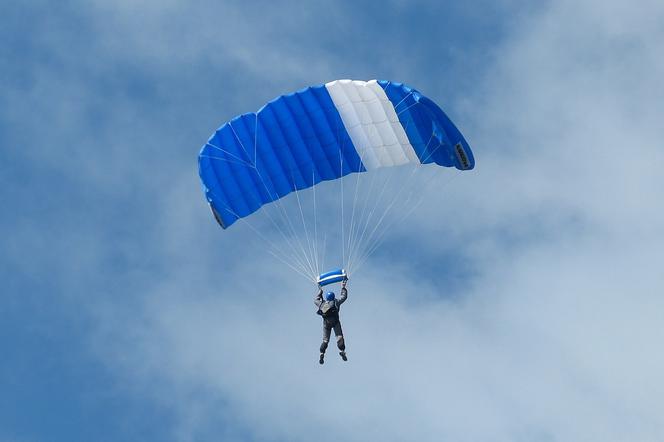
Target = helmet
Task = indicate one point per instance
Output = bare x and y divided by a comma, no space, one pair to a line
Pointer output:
329,296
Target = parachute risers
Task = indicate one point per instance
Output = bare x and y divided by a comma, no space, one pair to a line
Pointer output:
331,277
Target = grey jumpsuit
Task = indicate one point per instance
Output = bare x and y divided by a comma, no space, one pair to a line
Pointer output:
332,322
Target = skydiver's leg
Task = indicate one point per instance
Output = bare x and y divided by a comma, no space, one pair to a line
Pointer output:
327,330
341,344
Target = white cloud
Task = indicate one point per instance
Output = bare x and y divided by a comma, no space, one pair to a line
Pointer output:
555,336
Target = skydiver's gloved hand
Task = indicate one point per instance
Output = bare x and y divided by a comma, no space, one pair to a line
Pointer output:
344,282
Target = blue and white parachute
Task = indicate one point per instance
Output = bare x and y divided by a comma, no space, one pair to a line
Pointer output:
323,133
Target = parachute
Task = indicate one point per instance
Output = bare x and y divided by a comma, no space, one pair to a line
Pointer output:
323,133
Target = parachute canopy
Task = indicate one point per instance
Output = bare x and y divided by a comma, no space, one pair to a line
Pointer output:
323,133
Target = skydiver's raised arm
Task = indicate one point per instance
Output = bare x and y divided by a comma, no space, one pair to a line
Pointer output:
318,300
344,294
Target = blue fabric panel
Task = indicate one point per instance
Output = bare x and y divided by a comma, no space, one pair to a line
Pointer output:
336,275
339,148
431,133
331,280
291,143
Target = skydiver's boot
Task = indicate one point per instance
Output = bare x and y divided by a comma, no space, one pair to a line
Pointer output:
321,359
342,347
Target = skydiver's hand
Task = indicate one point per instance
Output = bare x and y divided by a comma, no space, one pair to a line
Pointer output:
344,282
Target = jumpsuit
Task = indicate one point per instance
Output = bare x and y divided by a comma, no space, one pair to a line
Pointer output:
332,321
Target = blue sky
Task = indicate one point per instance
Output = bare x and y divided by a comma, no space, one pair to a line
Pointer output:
523,304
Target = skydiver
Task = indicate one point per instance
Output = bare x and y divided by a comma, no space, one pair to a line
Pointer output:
328,308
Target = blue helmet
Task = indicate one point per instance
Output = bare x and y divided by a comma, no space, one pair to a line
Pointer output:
329,296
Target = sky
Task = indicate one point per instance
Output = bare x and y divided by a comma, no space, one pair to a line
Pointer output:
520,302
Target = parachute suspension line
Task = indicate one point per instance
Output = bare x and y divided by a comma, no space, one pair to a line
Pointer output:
390,204
292,237
376,233
272,251
377,240
368,227
376,237
322,261
304,274
404,110
295,256
376,246
278,200
356,247
221,149
373,210
313,188
352,232
240,141
432,152
374,204
286,219
365,204
341,183
306,230
378,202
355,236
283,211
225,160
273,248
370,238
402,100
297,238
256,140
